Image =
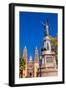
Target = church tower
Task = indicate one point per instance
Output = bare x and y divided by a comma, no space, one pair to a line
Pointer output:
24,56
25,53
36,63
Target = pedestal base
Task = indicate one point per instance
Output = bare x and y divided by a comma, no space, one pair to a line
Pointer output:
44,72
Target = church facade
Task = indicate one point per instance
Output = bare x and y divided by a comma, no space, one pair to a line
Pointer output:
31,67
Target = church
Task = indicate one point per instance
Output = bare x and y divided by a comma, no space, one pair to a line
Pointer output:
46,65
31,67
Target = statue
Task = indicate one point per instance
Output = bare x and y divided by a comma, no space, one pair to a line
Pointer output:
46,39
46,28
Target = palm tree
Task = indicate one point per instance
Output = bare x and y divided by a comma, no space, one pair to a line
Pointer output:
21,66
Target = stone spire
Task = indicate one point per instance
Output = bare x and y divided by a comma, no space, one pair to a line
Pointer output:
36,63
24,56
25,53
36,56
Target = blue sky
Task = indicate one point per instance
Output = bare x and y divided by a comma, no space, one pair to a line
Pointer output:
32,31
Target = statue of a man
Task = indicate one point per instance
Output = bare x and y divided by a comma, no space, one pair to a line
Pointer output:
46,28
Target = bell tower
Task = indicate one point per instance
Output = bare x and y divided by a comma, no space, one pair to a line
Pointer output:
24,56
36,63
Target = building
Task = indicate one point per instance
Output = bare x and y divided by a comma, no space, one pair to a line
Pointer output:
24,56
36,63
30,69
31,66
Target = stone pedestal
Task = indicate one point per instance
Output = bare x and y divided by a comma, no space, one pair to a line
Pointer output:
48,64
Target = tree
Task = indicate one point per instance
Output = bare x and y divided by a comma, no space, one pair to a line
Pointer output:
54,46
21,66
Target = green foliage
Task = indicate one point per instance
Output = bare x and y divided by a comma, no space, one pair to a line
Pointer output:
54,41
22,63
54,45
21,66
